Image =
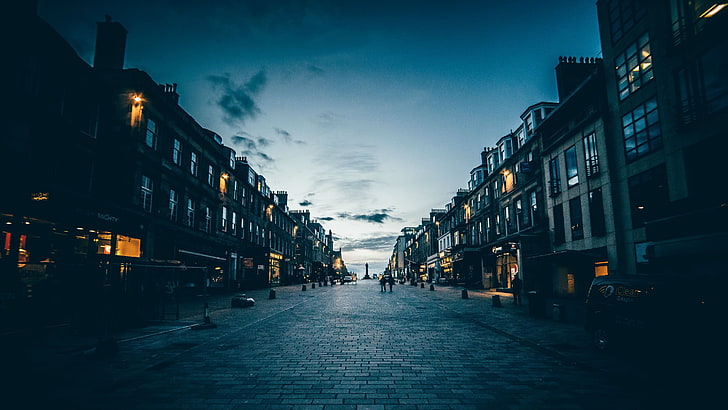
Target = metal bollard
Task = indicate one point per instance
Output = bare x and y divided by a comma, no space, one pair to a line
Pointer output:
313,285
272,294
432,287
207,314
422,285
303,288
464,294
497,301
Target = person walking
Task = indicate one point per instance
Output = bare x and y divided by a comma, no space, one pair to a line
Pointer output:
391,282
383,283
516,285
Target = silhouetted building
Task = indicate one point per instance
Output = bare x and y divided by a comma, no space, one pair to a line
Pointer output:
122,201
668,91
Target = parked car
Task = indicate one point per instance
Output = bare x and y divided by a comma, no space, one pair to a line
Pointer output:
242,300
637,311
348,278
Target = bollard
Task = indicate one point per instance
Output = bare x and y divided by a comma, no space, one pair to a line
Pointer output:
272,294
207,314
313,285
303,288
320,284
465,294
432,287
497,301
422,285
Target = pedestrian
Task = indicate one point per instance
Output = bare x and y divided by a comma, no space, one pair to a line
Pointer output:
516,285
391,282
383,283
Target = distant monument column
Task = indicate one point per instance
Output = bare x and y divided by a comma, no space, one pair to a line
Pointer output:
366,270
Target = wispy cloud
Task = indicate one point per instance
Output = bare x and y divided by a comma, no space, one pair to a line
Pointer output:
238,101
377,217
329,119
287,137
250,147
374,242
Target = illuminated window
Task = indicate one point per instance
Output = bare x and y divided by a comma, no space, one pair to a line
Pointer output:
177,152
146,193
128,246
151,134
601,268
233,222
641,130
634,67
103,243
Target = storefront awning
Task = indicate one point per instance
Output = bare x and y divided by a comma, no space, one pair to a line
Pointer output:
592,254
202,255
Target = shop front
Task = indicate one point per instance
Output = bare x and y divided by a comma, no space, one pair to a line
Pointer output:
505,264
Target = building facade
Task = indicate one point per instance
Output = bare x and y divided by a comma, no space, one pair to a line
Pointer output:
126,202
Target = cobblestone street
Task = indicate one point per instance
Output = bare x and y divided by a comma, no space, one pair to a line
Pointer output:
337,347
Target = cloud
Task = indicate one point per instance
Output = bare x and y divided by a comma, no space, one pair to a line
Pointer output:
286,136
238,101
251,147
315,70
329,119
305,202
376,217
375,242
326,218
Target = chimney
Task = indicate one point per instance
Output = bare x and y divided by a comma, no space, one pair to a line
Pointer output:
110,45
570,73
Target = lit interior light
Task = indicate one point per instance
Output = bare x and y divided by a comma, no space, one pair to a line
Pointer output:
641,207
713,10
136,109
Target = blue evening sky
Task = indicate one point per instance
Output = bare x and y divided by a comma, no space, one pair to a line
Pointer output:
368,113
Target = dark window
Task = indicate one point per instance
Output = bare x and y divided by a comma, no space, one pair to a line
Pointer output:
572,172
641,130
577,225
591,156
596,213
559,233
146,193
555,177
623,14
648,196
151,134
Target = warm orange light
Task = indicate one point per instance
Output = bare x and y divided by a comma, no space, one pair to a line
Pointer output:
713,10
136,110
